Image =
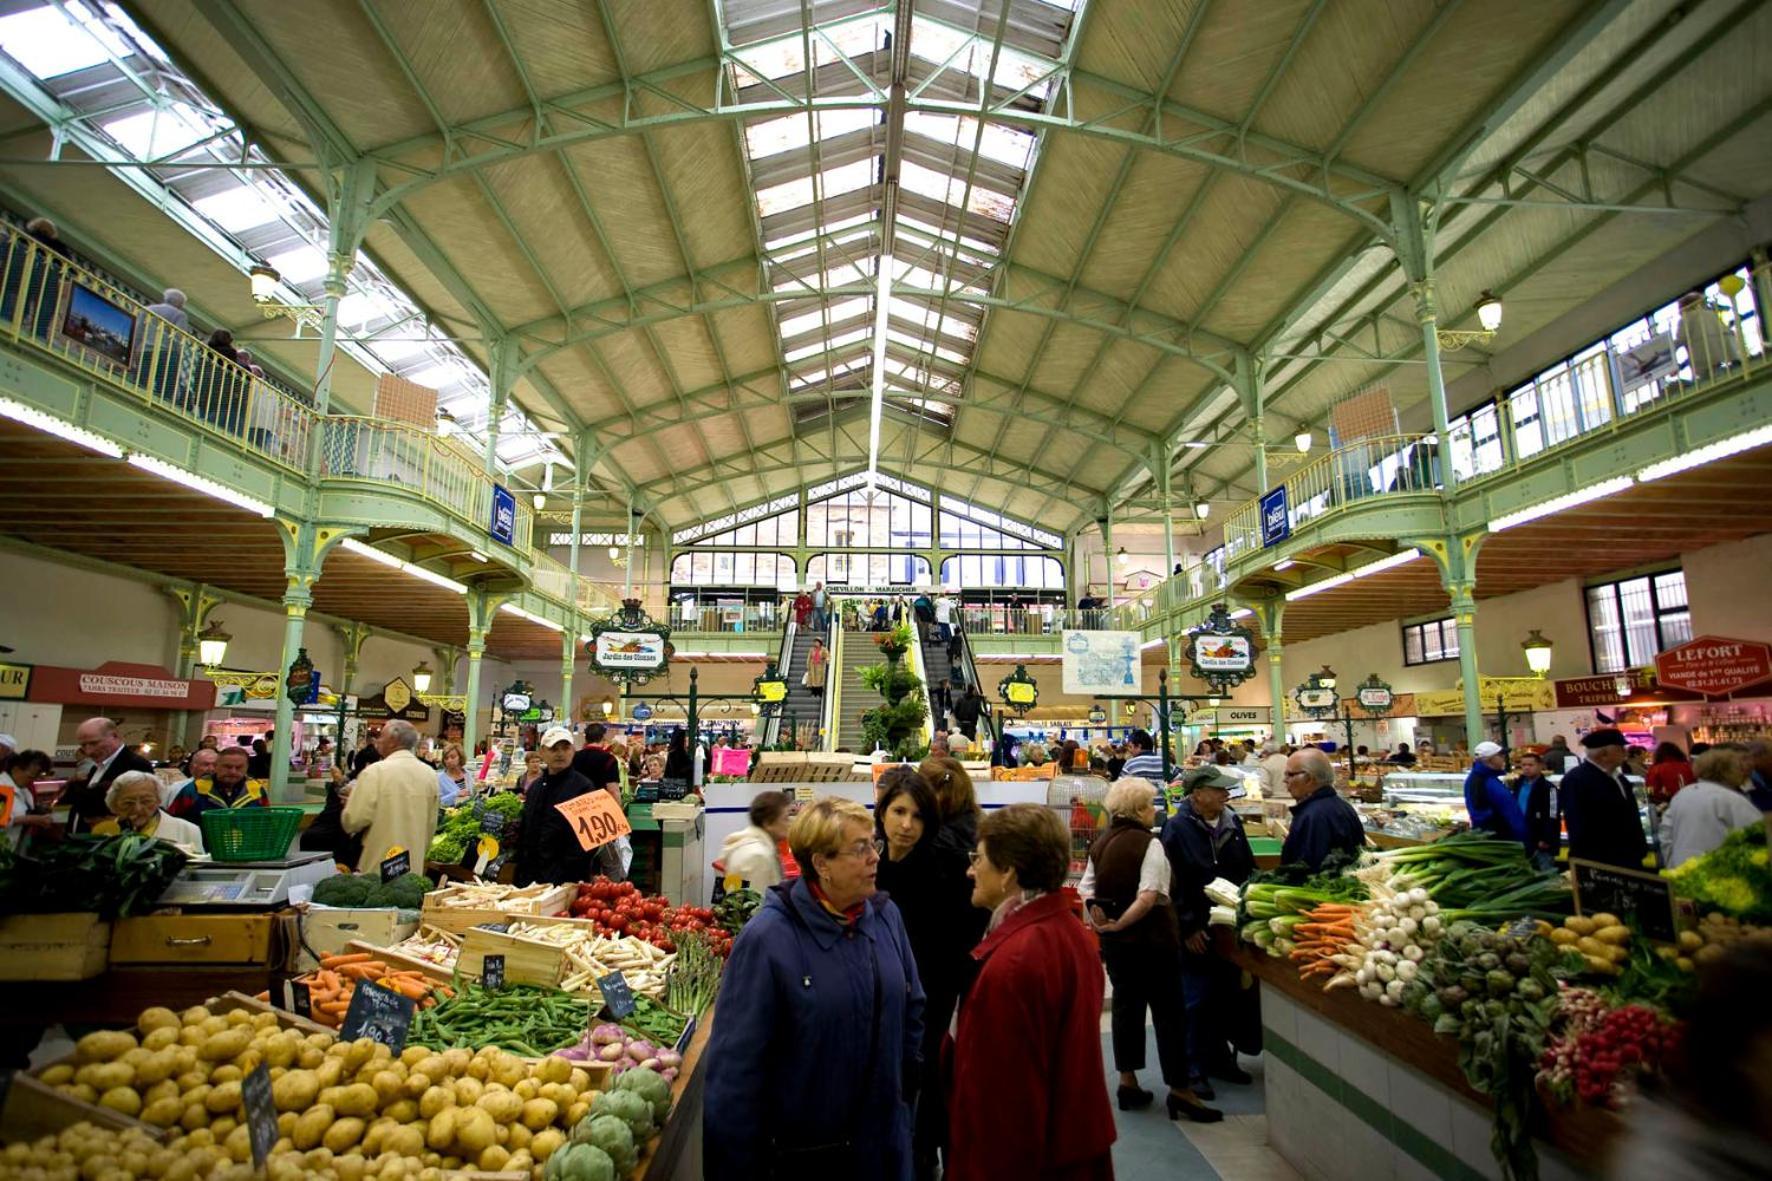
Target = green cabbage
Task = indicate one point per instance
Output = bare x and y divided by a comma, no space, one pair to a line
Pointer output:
650,1086
613,1136
630,1107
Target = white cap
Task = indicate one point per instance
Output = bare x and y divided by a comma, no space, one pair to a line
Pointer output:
1484,749
8,741
555,736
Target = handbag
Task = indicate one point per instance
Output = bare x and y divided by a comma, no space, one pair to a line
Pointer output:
833,1158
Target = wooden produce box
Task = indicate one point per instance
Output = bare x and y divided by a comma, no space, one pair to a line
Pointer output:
526,961
53,946
33,1108
329,930
394,959
195,938
460,919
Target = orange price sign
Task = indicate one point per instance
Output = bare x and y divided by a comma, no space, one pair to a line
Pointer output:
596,819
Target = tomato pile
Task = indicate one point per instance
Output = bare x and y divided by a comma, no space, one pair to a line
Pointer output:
618,908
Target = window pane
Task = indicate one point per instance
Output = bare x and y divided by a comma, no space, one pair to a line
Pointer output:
1430,642
1448,639
1639,621
1412,645
1602,614
1670,589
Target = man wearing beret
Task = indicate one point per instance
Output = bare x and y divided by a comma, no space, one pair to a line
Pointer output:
1600,808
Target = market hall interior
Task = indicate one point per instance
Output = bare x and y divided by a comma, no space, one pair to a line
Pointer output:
393,351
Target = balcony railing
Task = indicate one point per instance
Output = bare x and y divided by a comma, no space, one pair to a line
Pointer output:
49,303
1706,339
384,452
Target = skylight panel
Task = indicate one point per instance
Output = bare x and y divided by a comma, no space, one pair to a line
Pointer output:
49,45
398,348
788,195
839,311
930,183
303,264
776,244
238,209
436,377
773,59
159,132
925,345
825,346
847,178
363,308
908,218
1004,145
853,38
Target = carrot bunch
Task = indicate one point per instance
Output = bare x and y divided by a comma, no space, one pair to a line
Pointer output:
1327,932
331,986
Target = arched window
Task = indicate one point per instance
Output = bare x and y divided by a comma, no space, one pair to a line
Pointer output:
867,569
868,518
976,571
728,569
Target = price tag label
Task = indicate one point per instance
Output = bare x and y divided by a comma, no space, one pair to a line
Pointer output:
301,1000
804,794
618,998
596,819
486,849
1646,897
479,808
380,1014
397,862
261,1113
684,1038
492,972
493,823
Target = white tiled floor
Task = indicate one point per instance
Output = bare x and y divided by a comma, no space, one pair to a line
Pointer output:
1238,1149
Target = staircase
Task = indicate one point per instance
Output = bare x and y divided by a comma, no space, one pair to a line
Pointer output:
801,711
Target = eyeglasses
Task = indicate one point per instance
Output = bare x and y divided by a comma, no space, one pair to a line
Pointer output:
1290,774
975,859
861,849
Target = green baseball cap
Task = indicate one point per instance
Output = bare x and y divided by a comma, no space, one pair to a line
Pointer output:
1213,776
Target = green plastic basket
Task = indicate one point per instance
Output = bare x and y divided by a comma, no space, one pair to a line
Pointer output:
249,834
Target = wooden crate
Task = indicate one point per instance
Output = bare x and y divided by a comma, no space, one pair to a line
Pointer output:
526,961
53,946
194,938
33,1108
328,930
460,919
394,959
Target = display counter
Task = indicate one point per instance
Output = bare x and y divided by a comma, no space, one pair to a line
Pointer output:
1390,1088
676,1154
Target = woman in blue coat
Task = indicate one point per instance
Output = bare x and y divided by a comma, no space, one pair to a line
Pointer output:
816,1045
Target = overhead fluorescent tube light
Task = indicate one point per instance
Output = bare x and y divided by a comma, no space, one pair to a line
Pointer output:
372,553
1287,564
201,484
513,609
1709,453
31,416
1242,612
1317,588
387,559
434,578
1559,503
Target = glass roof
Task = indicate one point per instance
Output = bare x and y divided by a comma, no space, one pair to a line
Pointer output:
84,55
820,191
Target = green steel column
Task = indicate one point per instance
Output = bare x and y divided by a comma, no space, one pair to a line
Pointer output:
1464,615
338,270
1415,250
1160,469
296,601
503,372
1270,615
568,650
1107,549
933,556
482,610
351,637
447,656
627,571
1761,273
347,210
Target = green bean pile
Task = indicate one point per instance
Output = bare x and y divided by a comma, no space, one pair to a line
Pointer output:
519,1017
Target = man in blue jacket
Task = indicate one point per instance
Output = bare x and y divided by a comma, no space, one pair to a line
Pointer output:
1322,821
1492,806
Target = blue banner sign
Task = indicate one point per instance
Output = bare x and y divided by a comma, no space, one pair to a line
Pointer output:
1276,522
504,515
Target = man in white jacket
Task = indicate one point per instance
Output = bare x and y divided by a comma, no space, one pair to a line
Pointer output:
750,853
394,801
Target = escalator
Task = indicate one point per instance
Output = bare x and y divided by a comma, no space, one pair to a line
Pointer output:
966,673
855,653
802,712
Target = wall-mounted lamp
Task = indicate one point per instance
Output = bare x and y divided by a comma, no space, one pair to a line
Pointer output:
212,644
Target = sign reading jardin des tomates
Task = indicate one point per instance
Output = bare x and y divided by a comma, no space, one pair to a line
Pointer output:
629,646
1221,651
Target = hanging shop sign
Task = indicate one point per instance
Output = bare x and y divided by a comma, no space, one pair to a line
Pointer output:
1374,696
118,684
503,525
1097,715
515,700
302,683
1715,665
1521,694
1243,716
1276,521
1315,701
15,681
1019,691
396,700
629,646
1101,663
1221,651
770,688
1636,686
641,712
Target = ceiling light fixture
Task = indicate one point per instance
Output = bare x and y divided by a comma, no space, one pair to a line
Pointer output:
1558,503
264,281
539,500
1122,557
1202,509
1317,588
1284,564
201,484
877,403
31,416
1709,453
1302,441
1488,311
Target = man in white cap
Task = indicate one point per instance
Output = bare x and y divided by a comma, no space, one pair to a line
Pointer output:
8,747
547,848
1491,805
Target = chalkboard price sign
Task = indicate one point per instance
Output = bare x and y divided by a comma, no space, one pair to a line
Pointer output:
672,789
380,1014
618,998
261,1113
1646,899
400,863
687,1034
492,972
301,1000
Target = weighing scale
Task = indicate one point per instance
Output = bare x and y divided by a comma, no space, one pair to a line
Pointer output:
246,885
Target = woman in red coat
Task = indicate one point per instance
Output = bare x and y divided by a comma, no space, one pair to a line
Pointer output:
1029,1098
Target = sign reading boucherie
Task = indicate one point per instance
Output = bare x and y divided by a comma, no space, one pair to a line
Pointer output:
1715,665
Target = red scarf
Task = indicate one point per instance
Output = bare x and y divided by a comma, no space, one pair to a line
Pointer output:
849,916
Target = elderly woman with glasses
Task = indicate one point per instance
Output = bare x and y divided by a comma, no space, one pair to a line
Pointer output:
813,1062
134,801
1026,1103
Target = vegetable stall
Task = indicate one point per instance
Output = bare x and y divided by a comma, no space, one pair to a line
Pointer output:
1457,1010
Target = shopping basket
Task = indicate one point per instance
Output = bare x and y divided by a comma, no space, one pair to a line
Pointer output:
249,834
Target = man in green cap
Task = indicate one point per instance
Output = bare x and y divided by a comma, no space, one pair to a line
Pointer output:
1205,841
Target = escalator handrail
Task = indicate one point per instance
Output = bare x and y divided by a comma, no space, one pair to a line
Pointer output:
784,659
987,728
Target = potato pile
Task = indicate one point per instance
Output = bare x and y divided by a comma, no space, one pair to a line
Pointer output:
1715,932
346,1110
1602,939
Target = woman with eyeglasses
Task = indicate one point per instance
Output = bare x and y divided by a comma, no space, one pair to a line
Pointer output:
816,1054
1026,1102
926,879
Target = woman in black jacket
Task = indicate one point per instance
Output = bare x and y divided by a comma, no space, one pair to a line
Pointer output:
327,834
926,879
